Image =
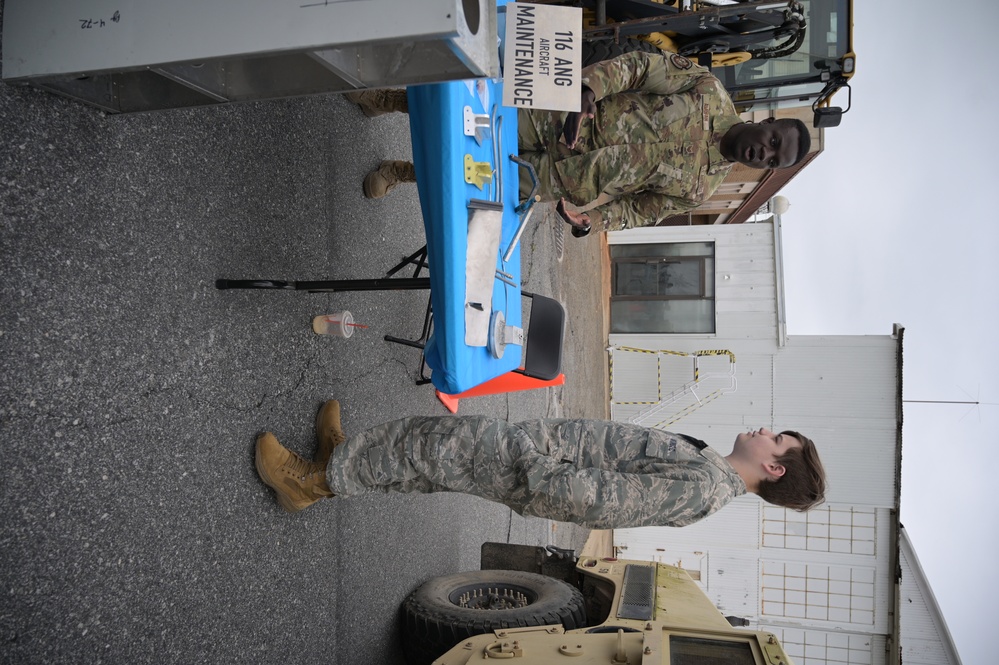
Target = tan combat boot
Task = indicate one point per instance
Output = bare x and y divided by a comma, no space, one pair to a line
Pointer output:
374,103
298,483
382,180
329,433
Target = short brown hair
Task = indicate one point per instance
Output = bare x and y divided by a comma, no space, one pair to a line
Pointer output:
804,137
803,485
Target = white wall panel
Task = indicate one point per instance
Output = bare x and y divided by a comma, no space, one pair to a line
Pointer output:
842,393
926,639
734,527
729,584
718,420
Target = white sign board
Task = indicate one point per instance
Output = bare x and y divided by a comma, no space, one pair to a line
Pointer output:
542,54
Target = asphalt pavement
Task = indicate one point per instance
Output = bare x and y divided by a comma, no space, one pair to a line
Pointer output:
135,528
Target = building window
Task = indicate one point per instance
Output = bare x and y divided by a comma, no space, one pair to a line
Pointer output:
823,592
663,288
848,530
815,647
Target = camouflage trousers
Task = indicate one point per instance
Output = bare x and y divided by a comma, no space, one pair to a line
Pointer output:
599,474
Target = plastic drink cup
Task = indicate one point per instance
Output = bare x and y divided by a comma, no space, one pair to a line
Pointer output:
338,324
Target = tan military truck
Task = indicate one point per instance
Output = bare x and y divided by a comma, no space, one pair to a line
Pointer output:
605,610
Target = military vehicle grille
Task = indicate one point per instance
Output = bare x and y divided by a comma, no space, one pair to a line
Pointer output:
638,597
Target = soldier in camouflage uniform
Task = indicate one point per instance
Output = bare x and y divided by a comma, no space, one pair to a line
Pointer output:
599,474
653,143
656,133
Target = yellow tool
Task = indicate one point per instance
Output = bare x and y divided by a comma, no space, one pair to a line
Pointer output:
477,173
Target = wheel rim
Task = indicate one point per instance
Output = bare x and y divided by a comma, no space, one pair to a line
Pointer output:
492,596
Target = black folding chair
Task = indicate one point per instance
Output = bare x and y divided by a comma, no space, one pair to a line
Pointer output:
543,338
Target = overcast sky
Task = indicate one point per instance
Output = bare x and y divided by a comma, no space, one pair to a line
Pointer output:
896,223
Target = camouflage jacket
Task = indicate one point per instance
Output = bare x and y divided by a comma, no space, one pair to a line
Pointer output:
607,475
653,144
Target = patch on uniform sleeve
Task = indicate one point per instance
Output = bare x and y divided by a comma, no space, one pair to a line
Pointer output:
660,447
680,62
697,443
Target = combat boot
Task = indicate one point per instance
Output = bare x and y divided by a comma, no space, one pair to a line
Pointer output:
382,180
374,103
329,433
298,483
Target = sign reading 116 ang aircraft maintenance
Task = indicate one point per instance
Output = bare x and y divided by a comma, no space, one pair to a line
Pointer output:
541,57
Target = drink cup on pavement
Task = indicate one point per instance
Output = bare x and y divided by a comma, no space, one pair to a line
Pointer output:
337,324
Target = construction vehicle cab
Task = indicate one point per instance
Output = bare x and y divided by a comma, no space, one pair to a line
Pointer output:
769,54
820,67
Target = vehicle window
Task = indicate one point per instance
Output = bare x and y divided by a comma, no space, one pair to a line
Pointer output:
699,651
827,38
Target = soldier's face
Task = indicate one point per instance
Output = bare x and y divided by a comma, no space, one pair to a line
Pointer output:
766,145
763,446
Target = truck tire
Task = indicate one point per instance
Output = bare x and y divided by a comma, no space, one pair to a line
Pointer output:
449,609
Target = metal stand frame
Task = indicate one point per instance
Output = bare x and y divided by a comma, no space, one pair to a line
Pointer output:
387,283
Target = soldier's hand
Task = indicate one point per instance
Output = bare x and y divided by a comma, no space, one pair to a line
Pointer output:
579,221
573,121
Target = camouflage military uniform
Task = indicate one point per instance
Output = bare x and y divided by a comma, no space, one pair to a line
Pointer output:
596,473
653,144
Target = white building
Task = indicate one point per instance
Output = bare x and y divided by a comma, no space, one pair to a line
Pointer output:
925,637
826,581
